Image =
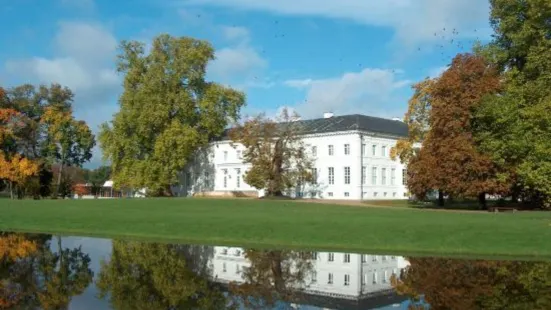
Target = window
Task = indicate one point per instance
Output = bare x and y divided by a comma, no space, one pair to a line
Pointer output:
394,194
346,194
363,259
346,175
393,176
331,150
238,152
347,149
206,179
374,149
314,151
314,176
383,150
331,175
364,279
225,177
224,251
237,269
374,194
347,258
346,280
224,267
330,278
384,194
374,176
385,277
315,255
330,257
238,178
237,252
374,277
225,155
363,149
330,194
364,172
404,177
383,176
374,258
314,276
384,258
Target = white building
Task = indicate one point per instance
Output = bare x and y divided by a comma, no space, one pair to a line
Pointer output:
348,278
352,161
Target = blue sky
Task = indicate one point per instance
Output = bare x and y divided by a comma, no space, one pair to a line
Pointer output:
344,56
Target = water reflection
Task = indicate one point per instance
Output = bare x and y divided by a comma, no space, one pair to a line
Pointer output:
48,272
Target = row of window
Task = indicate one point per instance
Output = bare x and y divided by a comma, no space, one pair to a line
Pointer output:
365,278
331,151
346,150
374,177
346,257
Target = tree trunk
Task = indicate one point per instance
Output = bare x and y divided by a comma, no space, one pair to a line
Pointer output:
58,180
11,190
482,201
440,198
277,271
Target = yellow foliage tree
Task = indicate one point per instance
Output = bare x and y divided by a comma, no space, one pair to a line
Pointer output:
417,119
15,246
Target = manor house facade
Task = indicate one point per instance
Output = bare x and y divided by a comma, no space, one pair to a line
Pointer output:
351,159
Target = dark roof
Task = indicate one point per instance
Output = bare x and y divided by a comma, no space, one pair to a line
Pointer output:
351,122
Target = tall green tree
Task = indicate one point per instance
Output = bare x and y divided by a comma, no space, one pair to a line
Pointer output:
167,111
70,142
515,126
277,154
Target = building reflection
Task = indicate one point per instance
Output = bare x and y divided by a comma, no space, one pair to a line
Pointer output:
331,280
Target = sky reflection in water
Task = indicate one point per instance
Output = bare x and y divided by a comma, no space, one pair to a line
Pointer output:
93,273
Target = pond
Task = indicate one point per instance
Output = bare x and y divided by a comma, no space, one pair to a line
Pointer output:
53,272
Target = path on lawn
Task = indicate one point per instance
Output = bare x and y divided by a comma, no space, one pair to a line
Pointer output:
366,204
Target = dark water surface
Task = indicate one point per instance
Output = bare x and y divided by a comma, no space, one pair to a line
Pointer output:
50,272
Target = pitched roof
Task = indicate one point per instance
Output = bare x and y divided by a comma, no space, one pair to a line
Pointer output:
351,122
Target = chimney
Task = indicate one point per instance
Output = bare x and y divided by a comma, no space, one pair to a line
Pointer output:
327,114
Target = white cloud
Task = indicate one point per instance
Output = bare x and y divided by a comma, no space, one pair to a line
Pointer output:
370,91
414,21
239,62
83,62
298,83
232,33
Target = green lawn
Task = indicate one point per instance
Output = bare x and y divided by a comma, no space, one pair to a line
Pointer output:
289,224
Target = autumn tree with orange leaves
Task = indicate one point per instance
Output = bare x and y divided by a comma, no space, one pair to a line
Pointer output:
17,168
476,284
449,160
37,131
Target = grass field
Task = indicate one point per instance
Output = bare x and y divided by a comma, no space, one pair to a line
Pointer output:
257,223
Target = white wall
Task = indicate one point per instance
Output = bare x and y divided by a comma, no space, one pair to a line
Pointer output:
220,168
359,272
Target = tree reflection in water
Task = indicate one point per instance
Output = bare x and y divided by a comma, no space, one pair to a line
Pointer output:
33,275
470,284
272,276
159,276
